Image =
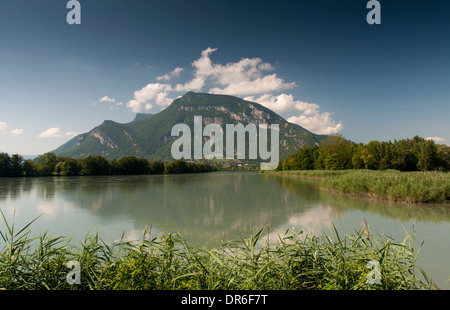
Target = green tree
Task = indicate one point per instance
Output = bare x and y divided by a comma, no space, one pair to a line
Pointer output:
386,157
156,167
357,161
29,168
444,157
46,163
368,159
336,153
16,165
428,156
178,166
5,165
305,158
132,165
70,167
288,163
95,165
407,150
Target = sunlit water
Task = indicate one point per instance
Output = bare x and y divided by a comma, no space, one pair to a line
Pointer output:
210,207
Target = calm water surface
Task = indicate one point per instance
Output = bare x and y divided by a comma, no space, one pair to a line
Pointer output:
209,207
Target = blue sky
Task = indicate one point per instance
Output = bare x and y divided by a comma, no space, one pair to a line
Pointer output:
317,63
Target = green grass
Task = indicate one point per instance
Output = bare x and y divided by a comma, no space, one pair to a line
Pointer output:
409,187
167,262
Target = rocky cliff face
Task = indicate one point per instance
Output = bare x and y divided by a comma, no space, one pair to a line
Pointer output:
149,136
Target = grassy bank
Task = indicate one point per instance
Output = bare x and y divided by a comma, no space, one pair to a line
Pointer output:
167,262
410,187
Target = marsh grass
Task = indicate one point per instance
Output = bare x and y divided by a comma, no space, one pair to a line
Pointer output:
407,187
168,262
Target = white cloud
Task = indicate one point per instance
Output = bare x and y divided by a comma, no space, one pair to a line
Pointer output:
248,78
436,139
156,92
320,123
260,85
167,77
71,134
12,133
16,132
51,133
239,79
56,133
107,99
310,118
113,101
284,103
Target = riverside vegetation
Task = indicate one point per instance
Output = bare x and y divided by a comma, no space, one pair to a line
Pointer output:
410,170
49,164
168,262
391,185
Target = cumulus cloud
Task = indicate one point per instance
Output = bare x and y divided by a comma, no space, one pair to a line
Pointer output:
16,132
320,123
51,133
284,103
114,104
153,92
56,132
250,78
240,78
4,131
167,77
310,118
436,139
107,99
71,134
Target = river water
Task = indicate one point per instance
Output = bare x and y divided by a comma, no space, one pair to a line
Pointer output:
210,207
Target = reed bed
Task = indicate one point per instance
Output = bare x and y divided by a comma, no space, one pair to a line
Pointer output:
407,187
168,262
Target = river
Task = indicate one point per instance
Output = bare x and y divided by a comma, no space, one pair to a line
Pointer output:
209,207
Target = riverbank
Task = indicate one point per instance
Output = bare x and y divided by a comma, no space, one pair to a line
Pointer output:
362,261
390,185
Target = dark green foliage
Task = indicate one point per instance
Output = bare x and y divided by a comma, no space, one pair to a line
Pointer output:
5,165
50,164
180,166
16,165
11,166
132,165
29,168
70,167
46,163
94,165
336,153
156,167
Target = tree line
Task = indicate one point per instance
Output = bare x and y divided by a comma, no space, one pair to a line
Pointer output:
50,164
337,153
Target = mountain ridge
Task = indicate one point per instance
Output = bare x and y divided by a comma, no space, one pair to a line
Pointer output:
149,135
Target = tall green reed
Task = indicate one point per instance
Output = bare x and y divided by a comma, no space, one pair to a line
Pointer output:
294,261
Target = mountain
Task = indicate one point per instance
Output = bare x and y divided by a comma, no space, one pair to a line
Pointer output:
149,136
